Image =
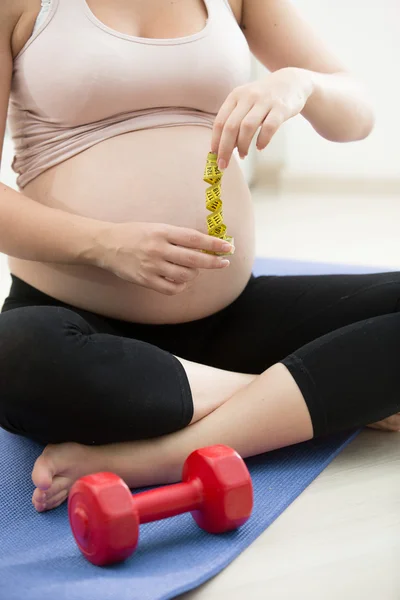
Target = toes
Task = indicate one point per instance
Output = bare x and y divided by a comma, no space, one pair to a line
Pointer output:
57,468
39,507
45,497
391,423
56,500
39,500
38,496
43,471
60,484
52,503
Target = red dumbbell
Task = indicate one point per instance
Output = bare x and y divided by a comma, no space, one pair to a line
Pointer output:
105,516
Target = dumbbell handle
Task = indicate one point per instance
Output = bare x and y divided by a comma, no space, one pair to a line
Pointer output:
168,501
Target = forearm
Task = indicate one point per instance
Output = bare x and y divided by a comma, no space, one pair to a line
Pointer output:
338,107
32,231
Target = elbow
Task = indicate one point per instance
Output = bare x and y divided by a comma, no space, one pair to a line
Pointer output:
367,124
363,121
359,121
356,127
352,114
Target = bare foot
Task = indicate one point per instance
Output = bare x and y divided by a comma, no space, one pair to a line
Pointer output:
55,471
139,464
390,424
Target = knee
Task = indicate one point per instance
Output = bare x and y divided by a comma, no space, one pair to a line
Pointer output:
35,342
33,333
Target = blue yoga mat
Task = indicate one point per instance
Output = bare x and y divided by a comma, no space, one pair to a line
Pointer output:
282,266
40,561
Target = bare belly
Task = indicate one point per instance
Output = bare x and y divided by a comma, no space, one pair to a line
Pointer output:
149,176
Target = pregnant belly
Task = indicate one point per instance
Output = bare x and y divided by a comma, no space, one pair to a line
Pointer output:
149,176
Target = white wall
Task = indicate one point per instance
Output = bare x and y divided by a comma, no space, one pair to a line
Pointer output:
366,37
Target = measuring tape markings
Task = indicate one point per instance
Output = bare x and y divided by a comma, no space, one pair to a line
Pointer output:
215,221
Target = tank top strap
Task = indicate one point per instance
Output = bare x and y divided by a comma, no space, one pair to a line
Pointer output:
226,2
68,11
71,15
219,8
63,9
71,7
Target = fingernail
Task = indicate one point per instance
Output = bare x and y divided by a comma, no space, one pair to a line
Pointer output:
225,262
227,247
221,164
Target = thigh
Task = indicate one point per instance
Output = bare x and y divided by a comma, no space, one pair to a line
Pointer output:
63,380
275,315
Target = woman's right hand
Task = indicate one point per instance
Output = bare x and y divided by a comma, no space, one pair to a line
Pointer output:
164,258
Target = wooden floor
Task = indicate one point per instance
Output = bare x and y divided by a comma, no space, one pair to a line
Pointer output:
340,540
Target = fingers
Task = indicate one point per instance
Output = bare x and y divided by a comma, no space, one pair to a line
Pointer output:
177,273
164,286
196,260
173,279
220,120
190,238
248,127
269,127
241,127
229,132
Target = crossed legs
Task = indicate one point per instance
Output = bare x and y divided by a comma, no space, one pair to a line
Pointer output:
330,346
252,414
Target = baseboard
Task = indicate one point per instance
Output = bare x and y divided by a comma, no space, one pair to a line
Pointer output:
273,179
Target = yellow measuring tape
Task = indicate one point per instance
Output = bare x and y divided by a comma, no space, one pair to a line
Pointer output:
215,221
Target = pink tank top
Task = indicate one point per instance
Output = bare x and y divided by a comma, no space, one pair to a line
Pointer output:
77,82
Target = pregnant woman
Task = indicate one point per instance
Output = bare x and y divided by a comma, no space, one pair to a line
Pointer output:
123,345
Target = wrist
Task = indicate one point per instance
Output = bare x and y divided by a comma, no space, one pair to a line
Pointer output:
95,249
309,82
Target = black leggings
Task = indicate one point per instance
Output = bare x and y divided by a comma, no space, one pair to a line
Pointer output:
71,375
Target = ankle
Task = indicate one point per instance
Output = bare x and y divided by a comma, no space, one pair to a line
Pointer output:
139,464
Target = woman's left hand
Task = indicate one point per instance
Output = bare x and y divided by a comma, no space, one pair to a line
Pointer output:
265,103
